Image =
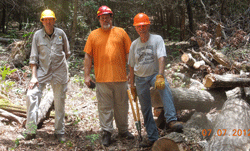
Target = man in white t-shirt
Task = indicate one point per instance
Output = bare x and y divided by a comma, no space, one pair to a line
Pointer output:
147,61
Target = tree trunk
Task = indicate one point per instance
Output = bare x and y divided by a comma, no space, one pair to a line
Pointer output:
231,130
3,22
74,26
226,81
190,15
200,100
182,24
162,22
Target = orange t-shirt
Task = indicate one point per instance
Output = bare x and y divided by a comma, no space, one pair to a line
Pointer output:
109,49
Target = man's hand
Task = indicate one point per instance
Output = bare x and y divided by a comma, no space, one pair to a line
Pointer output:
89,82
133,92
33,83
160,82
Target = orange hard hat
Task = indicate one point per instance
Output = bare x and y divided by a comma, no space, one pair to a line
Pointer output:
104,10
141,19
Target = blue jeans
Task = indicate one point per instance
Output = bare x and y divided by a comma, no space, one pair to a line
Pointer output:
143,85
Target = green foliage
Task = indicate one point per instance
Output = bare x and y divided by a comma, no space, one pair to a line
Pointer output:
7,85
91,4
28,34
17,142
77,118
78,79
4,72
12,34
175,53
69,144
76,64
31,126
174,33
92,137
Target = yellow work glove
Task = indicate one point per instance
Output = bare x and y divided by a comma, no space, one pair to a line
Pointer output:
160,82
133,93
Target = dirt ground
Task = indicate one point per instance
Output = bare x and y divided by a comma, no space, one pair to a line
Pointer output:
82,121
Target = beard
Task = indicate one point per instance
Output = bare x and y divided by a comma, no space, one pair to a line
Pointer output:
106,26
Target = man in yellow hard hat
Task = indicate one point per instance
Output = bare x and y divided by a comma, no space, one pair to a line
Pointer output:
147,61
109,46
49,51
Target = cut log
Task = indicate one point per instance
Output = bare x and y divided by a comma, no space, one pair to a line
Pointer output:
226,81
188,59
200,100
198,64
10,116
222,59
231,130
192,134
165,144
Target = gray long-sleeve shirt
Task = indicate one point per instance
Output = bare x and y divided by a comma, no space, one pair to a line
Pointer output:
49,54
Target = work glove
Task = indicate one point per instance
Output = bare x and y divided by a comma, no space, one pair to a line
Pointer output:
133,92
159,82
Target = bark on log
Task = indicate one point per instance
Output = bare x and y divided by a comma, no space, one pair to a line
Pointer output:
222,59
10,116
45,107
193,84
226,81
200,100
231,130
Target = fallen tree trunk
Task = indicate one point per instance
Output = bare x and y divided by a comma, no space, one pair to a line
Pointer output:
226,81
45,107
10,116
200,100
7,40
231,129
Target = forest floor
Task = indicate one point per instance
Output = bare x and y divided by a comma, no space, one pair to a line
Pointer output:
82,121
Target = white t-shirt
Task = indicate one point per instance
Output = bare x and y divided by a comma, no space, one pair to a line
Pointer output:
144,56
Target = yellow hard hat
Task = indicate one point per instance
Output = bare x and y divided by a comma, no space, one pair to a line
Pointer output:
47,14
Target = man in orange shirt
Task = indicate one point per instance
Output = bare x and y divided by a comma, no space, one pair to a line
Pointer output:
109,47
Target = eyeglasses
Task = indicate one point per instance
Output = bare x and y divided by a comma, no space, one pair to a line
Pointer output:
104,18
141,27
